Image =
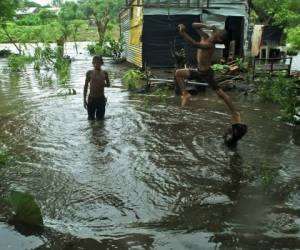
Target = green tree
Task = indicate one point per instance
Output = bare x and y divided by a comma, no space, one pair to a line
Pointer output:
284,12
280,12
102,11
46,16
294,38
7,11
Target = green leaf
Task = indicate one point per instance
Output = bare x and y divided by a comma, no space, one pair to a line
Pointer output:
25,208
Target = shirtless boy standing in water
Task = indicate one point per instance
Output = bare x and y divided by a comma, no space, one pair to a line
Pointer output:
97,79
204,72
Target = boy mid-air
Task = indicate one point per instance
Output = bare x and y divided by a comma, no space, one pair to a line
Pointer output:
96,80
204,73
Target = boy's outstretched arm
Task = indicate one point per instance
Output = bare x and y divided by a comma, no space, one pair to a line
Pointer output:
86,84
191,40
107,82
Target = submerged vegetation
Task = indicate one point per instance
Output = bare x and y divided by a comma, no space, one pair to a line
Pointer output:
18,62
133,79
25,208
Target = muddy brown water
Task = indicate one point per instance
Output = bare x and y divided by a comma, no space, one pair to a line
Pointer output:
152,175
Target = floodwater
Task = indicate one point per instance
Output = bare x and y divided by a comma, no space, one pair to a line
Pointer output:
152,175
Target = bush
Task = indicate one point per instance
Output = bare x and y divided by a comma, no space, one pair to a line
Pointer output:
220,67
29,20
294,38
116,47
132,79
96,49
53,59
18,62
283,91
110,48
25,208
5,53
292,51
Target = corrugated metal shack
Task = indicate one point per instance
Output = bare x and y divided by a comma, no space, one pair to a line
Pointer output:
149,27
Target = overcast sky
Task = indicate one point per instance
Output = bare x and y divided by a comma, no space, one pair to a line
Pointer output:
42,2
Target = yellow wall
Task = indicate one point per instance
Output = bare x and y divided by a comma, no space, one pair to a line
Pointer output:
136,24
136,28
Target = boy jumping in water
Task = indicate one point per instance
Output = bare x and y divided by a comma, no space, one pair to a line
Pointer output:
96,79
204,72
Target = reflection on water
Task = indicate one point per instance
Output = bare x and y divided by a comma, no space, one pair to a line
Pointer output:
152,175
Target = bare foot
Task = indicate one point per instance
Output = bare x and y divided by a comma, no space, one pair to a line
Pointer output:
236,117
184,99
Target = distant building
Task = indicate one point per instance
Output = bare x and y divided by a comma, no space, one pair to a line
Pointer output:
149,27
31,10
26,11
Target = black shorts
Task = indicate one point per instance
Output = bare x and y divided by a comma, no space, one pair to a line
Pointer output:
204,76
96,107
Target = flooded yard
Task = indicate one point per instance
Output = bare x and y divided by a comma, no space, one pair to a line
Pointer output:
152,175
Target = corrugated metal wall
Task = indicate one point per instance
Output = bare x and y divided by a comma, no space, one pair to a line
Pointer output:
131,28
125,29
132,21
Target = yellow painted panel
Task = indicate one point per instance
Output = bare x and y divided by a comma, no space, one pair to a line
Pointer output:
137,14
135,35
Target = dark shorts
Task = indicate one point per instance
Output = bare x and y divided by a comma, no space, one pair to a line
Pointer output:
96,107
204,76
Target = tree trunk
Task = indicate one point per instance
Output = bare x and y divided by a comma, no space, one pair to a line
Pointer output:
10,39
102,25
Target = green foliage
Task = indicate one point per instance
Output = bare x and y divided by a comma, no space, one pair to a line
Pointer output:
18,62
96,49
163,93
219,67
292,51
4,155
29,20
39,33
53,59
283,91
116,47
46,16
46,26
102,12
5,53
69,11
242,64
132,79
7,9
284,12
62,67
25,208
294,37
